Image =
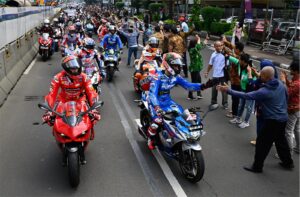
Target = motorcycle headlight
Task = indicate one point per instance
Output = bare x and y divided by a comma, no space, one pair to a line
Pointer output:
82,134
194,135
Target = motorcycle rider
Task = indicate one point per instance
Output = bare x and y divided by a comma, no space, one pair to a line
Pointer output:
159,93
46,28
57,26
103,29
151,47
112,40
78,27
89,49
71,38
74,86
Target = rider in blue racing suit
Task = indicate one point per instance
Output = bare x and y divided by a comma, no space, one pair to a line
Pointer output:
159,93
111,40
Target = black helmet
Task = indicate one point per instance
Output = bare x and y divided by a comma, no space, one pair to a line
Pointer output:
72,65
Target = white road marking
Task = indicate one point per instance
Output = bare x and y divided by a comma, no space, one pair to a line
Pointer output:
166,169
163,164
134,145
30,66
141,46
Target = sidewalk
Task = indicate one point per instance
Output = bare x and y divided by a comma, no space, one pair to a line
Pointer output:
282,61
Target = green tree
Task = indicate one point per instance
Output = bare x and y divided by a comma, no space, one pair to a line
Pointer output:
195,17
120,5
211,14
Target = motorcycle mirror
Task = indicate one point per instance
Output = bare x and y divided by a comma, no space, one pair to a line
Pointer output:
44,106
98,104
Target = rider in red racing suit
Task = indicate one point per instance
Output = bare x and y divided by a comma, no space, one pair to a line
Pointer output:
74,85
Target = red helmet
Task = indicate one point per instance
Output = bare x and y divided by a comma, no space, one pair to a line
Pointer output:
72,65
181,19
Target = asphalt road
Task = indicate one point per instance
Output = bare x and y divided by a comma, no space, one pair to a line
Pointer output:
118,160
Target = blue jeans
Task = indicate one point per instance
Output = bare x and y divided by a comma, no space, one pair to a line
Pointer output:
131,50
248,104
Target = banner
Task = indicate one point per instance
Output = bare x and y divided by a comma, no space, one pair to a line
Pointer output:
248,9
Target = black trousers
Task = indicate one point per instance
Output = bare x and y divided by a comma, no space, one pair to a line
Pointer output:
185,68
235,100
195,78
272,131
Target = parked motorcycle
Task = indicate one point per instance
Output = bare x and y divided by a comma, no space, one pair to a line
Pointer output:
111,61
72,130
178,137
45,46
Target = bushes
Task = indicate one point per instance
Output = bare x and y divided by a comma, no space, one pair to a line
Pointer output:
170,22
219,28
155,7
211,14
120,5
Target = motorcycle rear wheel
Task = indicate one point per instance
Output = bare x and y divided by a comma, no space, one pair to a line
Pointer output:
192,165
74,169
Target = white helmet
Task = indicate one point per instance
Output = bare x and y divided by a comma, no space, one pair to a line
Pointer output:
46,22
55,20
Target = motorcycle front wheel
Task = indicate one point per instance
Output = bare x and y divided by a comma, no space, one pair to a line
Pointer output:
74,169
192,165
109,73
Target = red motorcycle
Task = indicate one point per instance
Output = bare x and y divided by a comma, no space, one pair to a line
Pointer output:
73,129
45,46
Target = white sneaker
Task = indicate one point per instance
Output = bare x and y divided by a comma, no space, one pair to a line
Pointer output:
235,121
244,125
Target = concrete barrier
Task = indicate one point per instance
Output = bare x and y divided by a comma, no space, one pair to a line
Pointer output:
14,59
14,64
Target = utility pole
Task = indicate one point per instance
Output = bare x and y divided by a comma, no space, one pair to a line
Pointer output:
265,23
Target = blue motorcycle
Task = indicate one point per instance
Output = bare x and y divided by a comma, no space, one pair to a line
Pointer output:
111,61
178,137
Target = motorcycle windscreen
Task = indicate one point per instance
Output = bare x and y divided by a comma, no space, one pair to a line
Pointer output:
111,52
71,113
45,36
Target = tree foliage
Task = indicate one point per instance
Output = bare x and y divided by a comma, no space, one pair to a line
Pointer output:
211,14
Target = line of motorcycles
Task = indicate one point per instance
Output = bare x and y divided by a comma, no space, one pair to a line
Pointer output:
178,138
72,127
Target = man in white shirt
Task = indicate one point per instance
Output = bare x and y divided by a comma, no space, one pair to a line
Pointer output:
184,26
217,64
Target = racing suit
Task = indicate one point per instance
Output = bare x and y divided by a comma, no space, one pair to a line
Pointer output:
68,40
111,42
159,97
72,89
84,53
